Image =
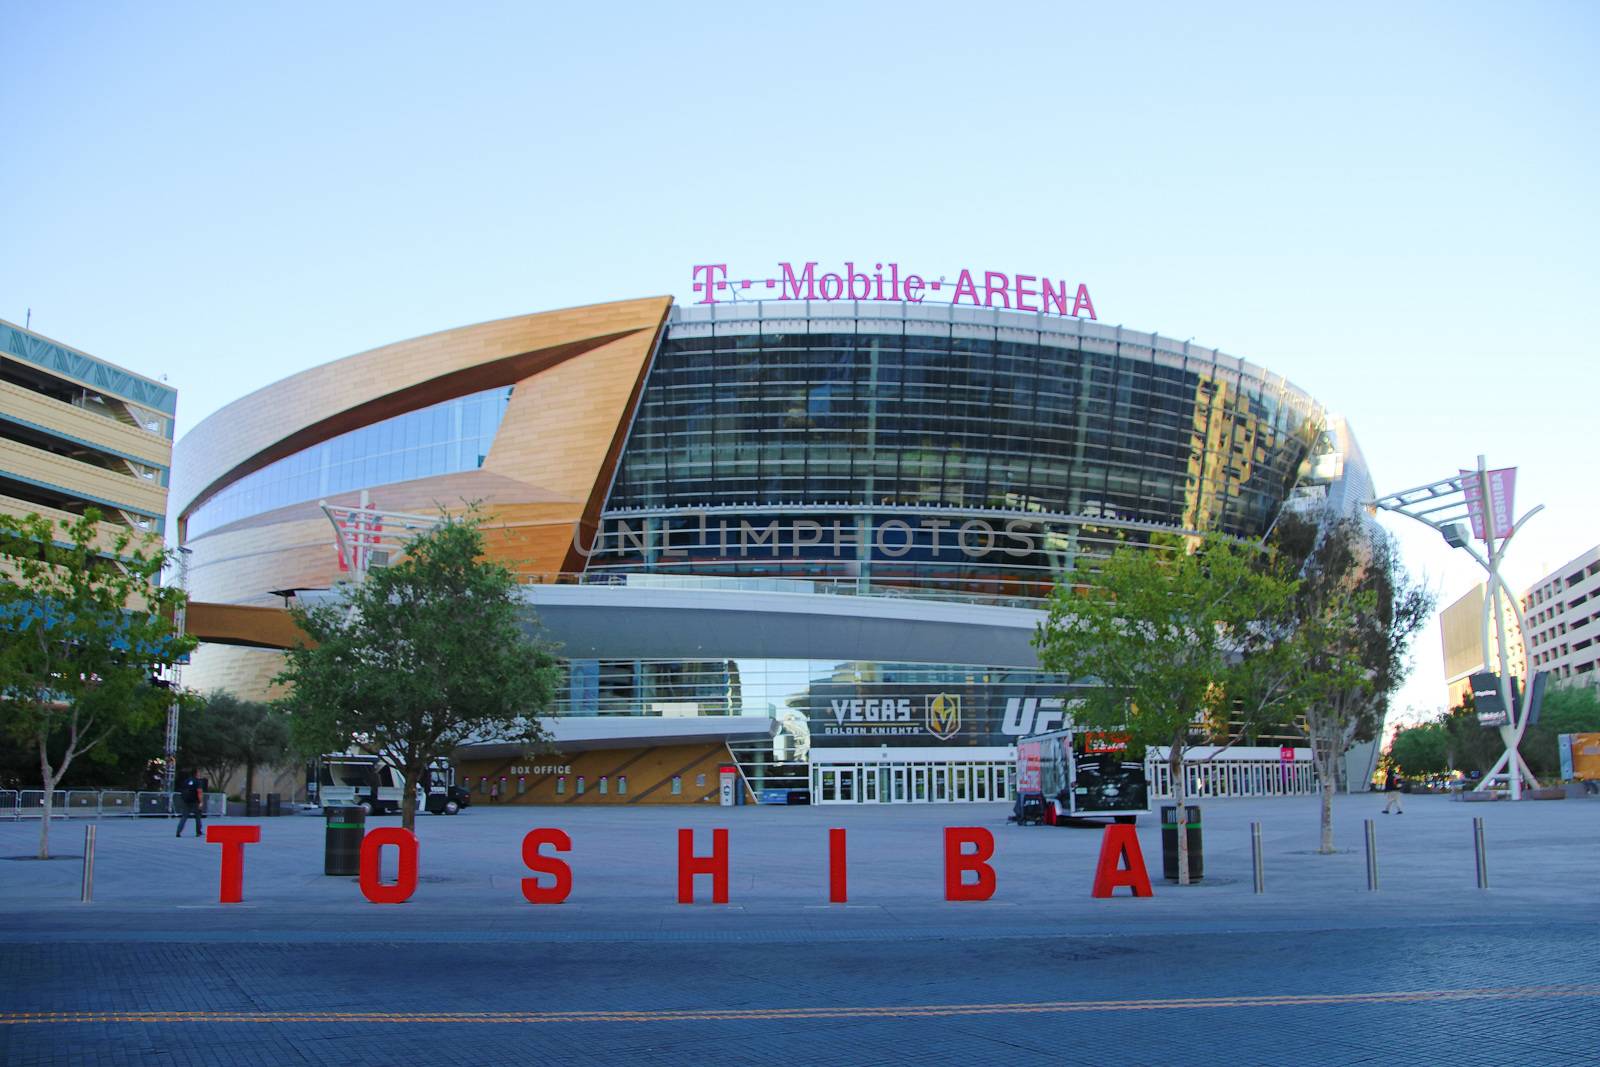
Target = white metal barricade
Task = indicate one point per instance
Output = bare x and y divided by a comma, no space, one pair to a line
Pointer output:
152,803
83,802
116,802
1236,773
95,803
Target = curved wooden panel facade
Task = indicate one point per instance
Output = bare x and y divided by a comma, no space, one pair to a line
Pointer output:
575,375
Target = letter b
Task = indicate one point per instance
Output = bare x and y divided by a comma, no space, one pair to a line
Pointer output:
851,276
958,862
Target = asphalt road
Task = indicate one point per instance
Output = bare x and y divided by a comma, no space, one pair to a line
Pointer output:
1518,994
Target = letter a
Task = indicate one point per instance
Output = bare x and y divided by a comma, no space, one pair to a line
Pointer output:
538,863
957,862
1116,843
1082,303
964,285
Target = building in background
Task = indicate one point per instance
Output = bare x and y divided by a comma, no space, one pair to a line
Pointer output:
1461,642
1563,613
810,540
77,432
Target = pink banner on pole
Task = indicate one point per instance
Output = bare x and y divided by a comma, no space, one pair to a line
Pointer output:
1502,490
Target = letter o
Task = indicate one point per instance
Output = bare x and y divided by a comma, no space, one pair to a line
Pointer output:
877,538
988,533
372,864
822,286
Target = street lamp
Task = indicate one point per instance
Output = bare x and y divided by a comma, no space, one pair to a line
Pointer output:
1483,498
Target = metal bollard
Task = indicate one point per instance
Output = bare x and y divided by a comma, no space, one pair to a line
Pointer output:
1372,858
1478,852
88,863
1255,857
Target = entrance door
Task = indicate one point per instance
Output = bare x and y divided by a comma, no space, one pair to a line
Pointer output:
827,785
898,772
941,783
869,783
847,785
980,783
919,783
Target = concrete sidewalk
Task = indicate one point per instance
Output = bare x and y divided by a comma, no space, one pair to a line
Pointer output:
1544,862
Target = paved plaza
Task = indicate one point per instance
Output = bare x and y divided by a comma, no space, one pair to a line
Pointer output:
1316,970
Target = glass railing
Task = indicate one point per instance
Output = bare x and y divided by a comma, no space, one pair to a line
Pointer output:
1031,595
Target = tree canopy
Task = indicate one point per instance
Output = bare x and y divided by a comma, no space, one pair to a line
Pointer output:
85,629
423,656
224,733
1328,663
1159,635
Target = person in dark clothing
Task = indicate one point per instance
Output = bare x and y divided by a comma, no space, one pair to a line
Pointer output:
192,797
1391,793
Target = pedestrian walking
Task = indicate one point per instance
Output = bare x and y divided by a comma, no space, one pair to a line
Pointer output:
1391,792
192,796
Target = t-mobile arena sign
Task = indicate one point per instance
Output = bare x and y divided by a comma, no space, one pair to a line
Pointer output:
1018,292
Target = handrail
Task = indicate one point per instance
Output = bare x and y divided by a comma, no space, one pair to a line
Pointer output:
960,590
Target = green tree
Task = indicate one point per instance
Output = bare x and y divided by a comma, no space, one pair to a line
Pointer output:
1159,634
84,629
225,733
1329,663
1421,750
1567,709
420,658
1471,746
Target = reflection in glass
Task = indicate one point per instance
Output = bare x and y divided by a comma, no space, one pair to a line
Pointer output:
445,438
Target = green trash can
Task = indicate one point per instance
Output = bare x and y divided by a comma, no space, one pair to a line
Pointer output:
1169,842
342,845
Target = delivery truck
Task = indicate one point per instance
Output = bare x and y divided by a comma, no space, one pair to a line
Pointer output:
1075,774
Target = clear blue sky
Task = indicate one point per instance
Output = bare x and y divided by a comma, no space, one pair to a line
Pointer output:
1394,205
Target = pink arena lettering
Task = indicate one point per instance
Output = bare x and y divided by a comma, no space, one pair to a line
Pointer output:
809,280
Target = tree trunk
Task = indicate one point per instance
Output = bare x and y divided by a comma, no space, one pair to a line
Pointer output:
1180,787
249,781
408,799
44,816
47,778
1327,813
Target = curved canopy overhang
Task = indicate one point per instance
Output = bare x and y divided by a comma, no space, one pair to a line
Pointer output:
644,622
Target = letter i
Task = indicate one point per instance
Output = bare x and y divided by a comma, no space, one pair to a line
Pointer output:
838,889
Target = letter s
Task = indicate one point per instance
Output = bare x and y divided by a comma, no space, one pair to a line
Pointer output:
541,864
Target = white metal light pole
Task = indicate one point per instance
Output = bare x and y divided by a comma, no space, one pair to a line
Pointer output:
169,770
1445,506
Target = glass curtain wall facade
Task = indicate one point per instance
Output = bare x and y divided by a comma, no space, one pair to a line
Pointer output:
924,452
934,452
443,438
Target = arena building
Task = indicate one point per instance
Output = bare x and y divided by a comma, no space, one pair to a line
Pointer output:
808,539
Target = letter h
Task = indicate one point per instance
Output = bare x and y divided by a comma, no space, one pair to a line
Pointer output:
716,865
